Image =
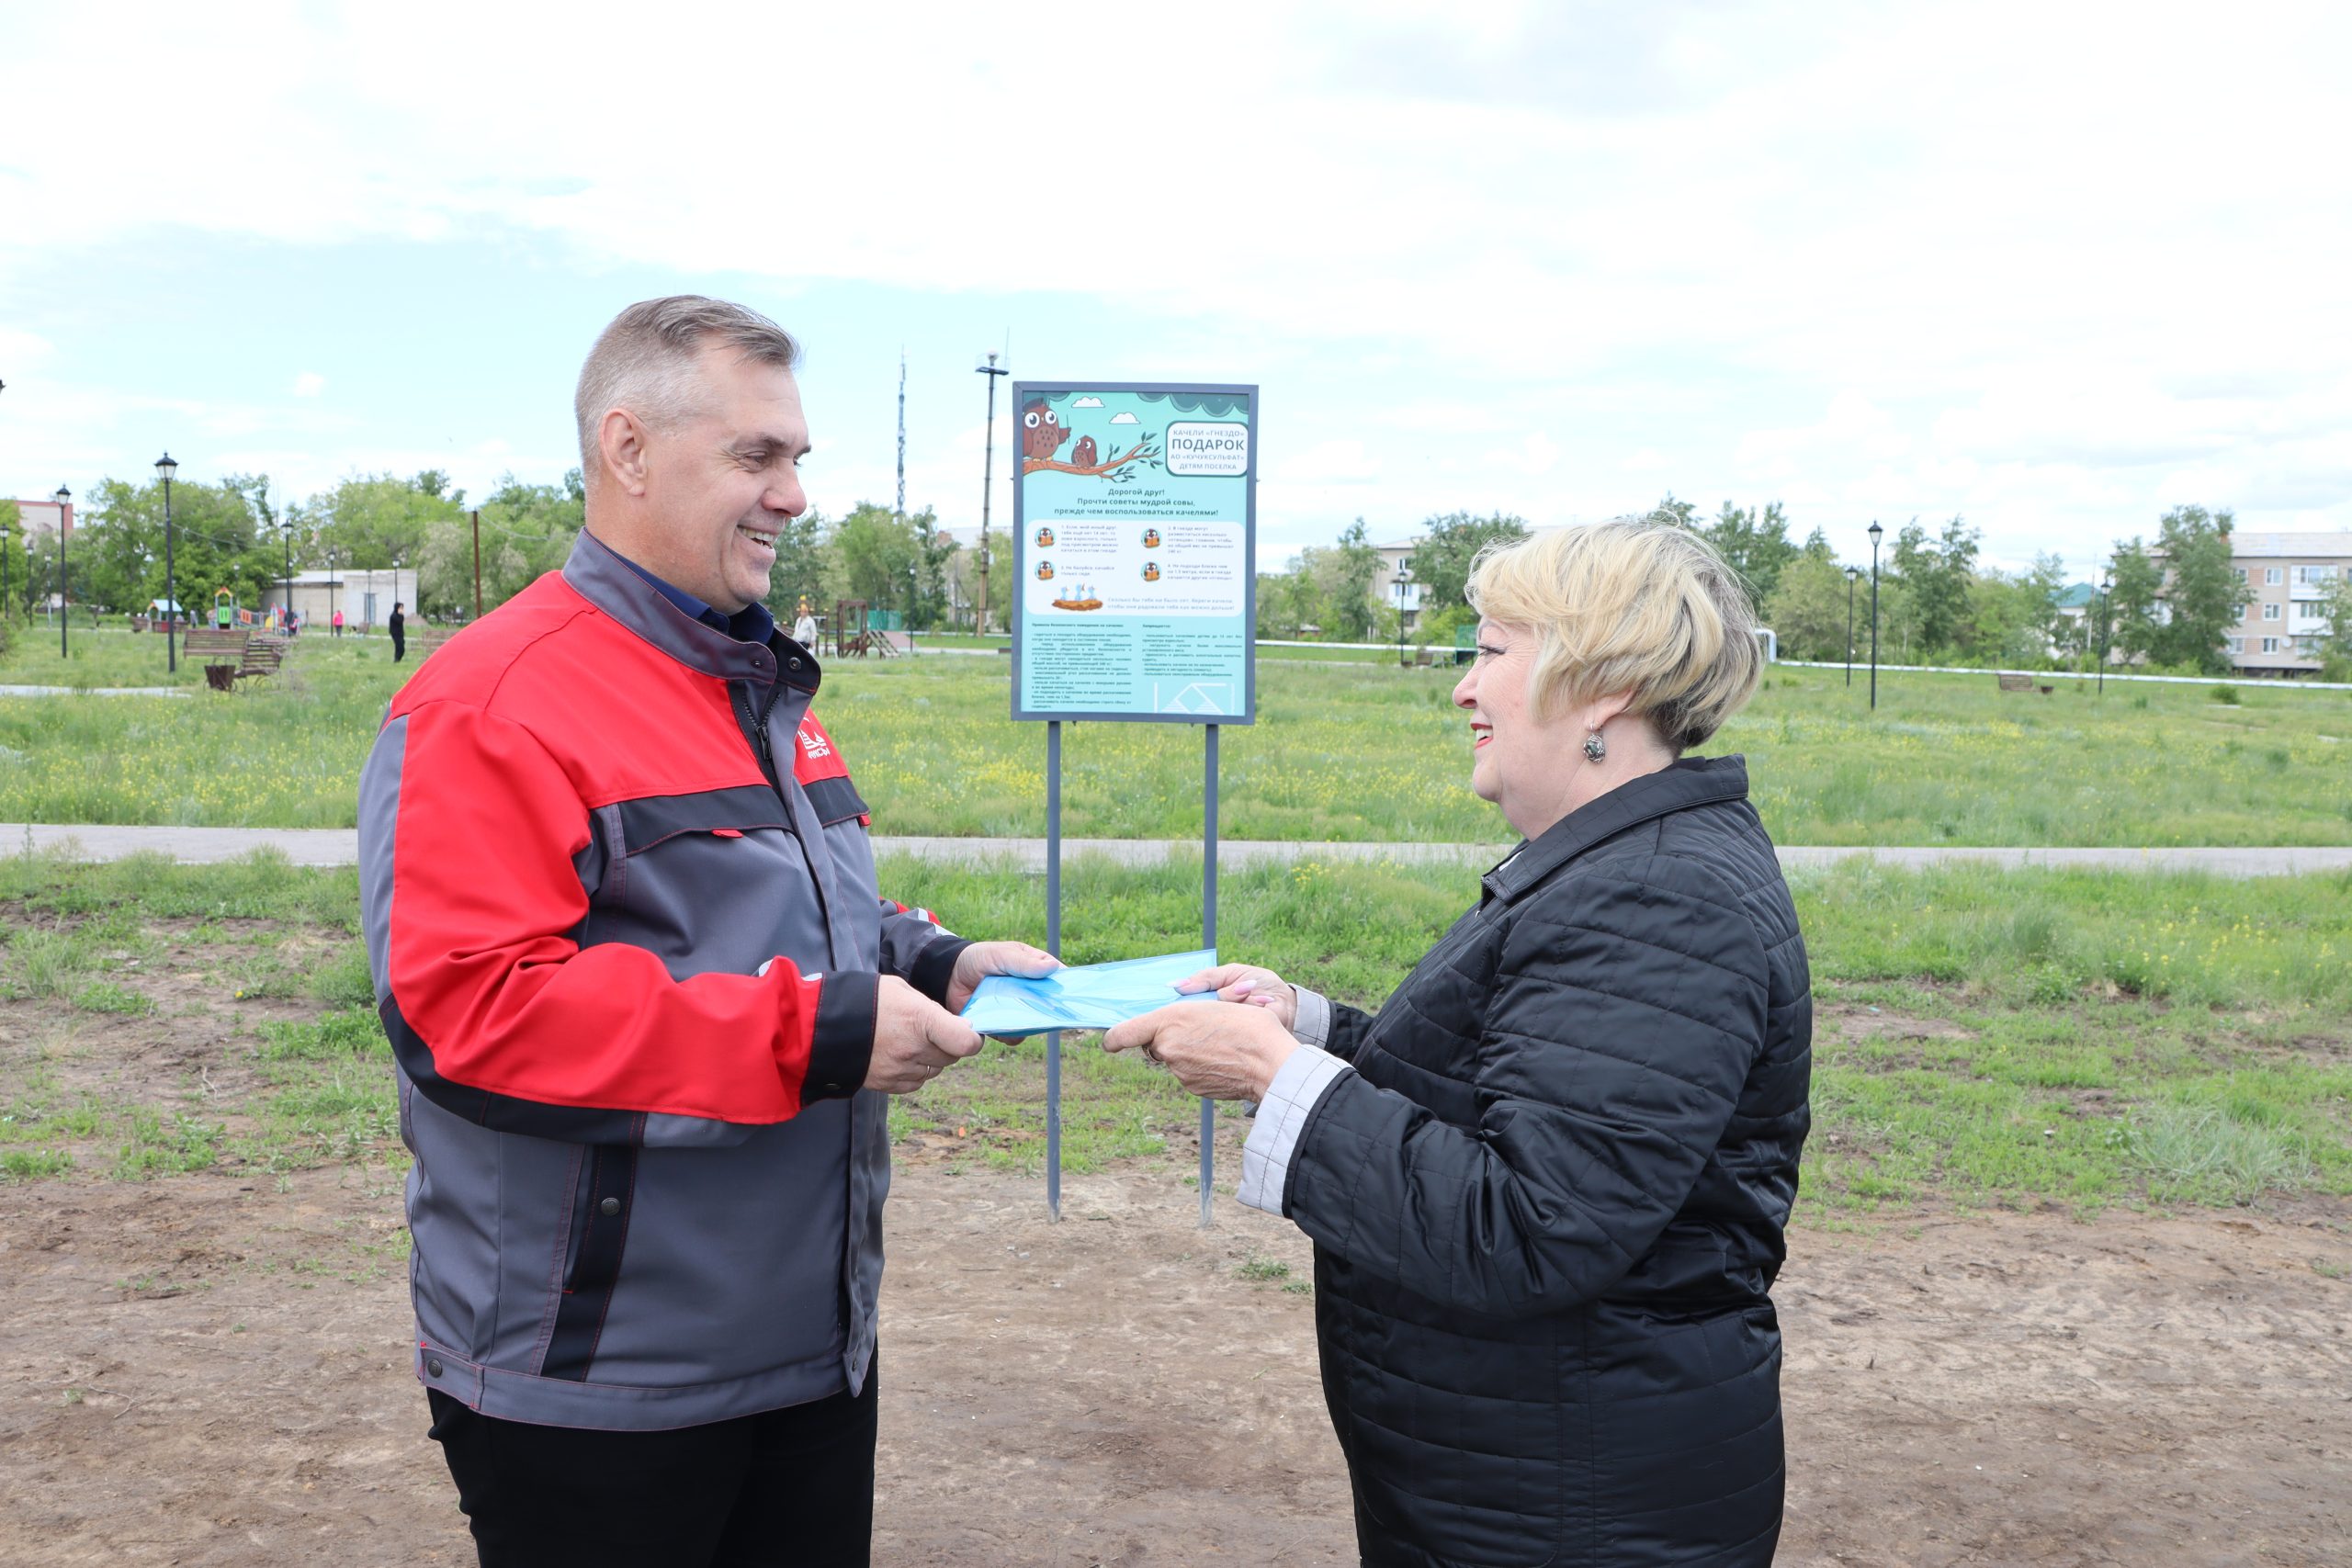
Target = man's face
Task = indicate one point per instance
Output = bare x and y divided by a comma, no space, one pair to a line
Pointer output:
724,481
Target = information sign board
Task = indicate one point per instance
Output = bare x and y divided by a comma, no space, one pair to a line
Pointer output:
1134,515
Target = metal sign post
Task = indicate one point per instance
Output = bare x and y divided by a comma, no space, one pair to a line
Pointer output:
1134,600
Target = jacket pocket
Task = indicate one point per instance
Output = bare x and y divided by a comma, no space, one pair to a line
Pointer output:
599,1238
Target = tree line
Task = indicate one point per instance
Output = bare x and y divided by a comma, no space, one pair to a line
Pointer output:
2172,601
231,533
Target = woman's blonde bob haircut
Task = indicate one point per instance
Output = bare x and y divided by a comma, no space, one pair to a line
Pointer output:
1630,607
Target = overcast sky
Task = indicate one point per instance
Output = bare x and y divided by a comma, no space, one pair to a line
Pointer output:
2055,267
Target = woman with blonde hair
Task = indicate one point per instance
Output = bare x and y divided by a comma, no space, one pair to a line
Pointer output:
1547,1182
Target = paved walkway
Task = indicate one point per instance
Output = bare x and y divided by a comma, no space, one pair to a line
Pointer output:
95,690
340,846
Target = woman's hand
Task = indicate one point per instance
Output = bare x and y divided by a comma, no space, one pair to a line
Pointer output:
982,959
1217,1050
1248,984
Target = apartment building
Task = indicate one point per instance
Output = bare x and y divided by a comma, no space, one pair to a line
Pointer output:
2289,576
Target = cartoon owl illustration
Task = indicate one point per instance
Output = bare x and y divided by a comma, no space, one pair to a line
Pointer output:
1045,538
1044,571
1041,430
1151,538
1083,453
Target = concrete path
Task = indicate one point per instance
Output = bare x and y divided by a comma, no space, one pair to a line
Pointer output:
95,690
340,846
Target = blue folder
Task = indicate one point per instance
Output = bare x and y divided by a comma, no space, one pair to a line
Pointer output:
1089,996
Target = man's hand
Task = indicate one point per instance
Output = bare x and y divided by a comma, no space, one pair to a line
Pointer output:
914,1039
1247,983
982,959
1217,1050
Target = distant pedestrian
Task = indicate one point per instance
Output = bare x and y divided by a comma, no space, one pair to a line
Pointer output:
398,627
338,624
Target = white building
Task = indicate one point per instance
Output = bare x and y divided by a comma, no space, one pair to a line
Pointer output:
2290,576
365,596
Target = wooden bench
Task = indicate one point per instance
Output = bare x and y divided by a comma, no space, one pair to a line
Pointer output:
2022,683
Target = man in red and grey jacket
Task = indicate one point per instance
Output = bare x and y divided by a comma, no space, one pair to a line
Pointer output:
646,1001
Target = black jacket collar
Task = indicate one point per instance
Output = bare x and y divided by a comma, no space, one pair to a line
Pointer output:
1693,781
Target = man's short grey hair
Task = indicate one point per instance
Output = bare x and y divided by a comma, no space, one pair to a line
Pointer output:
646,362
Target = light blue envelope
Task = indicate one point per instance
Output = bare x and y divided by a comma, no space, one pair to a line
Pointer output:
1089,996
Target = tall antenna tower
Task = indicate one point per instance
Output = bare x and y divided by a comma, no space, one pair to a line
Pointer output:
902,434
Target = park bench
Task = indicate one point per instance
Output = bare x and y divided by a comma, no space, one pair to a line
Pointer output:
232,656
1421,659
2020,683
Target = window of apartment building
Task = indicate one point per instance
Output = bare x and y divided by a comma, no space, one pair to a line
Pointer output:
2270,645
2238,572
2271,611
2312,575
2237,645
2308,645
2273,575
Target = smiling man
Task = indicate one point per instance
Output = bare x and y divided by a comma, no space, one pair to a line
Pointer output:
646,1000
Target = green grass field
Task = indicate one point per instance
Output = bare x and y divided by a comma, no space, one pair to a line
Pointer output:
1983,1038
1369,753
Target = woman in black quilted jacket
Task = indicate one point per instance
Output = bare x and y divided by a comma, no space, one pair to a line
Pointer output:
1548,1183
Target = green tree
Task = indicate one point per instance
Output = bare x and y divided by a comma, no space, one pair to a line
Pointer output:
2203,598
527,530
1936,575
876,547
1354,562
804,568
2336,646
380,520
2133,599
1440,563
1754,543
1681,514
1807,609
220,539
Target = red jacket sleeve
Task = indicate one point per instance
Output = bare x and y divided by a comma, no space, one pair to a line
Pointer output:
497,1013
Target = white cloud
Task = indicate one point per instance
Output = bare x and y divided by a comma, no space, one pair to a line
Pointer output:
1958,256
1123,417
1087,403
309,384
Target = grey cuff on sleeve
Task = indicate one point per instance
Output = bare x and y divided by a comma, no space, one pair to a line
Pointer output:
1290,1100
1313,1025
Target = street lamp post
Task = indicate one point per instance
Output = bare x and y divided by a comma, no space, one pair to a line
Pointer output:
1404,578
987,484
64,499
165,468
2105,580
1852,572
286,611
1875,532
6,604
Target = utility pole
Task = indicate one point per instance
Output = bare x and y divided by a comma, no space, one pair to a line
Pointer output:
902,434
477,563
988,485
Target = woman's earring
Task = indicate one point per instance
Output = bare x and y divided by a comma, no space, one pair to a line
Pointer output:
1594,747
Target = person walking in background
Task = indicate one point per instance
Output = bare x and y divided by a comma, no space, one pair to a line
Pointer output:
398,627
338,623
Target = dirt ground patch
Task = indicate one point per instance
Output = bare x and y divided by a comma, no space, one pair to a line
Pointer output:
211,1369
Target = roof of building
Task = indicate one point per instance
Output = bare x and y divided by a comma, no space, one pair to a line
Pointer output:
2245,543
2077,596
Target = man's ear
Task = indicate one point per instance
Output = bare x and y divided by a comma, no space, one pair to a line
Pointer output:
623,441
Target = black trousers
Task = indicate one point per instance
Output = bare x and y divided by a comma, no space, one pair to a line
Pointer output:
400,648
786,1488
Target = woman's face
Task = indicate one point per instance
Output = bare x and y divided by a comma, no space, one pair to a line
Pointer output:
1522,763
